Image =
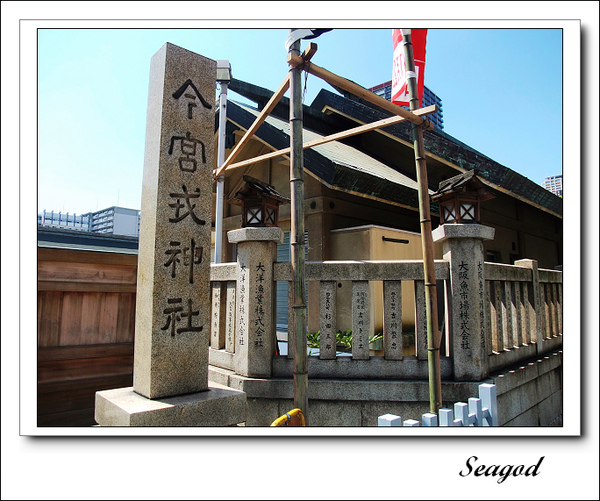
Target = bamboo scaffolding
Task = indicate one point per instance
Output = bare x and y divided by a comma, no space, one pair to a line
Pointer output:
275,98
299,63
335,137
357,90
433,335
297,244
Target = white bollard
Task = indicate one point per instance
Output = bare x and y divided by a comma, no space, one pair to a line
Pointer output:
430,419
475,411
487,394
461,413
389,420
446,417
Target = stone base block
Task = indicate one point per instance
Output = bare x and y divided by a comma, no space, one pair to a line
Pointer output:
218,406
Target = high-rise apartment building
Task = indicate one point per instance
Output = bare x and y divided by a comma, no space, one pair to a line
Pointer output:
115,220
429,98
554,184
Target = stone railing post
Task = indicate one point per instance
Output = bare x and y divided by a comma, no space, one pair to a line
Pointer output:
463,249
255,337
534,307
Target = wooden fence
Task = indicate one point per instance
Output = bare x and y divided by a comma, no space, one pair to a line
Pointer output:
86,318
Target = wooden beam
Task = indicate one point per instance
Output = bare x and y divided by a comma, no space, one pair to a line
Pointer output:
266,156
275,98
357,90
309,52
335,137
55,286
83,256
368,127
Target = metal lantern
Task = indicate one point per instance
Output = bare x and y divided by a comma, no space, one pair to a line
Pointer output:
260,203
459,198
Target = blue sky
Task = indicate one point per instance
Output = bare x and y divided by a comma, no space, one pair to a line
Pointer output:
501,93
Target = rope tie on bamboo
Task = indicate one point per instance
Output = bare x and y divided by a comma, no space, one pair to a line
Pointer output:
305,81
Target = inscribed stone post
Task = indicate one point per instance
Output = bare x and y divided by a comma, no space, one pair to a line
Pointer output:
230,318
173,292
328,319
392,319
463,248
421,344
255,323
361,309
219,310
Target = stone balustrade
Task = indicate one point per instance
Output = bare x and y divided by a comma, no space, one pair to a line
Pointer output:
495,314
525,311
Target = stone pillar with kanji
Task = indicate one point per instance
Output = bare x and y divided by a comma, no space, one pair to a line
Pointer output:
173,291
255,337
173,302
463,249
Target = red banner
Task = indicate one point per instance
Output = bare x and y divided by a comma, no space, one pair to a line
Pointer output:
399,76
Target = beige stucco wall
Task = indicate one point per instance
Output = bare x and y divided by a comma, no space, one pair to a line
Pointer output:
366,243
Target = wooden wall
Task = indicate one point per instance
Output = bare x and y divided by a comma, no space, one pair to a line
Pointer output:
86,321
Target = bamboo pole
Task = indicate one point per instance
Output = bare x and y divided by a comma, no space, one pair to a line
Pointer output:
433,335
275,98
300,361
334,137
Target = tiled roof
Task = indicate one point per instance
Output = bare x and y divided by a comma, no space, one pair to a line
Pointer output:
456,154
451,150
86,240
337,165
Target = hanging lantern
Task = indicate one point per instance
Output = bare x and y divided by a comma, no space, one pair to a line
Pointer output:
459,198
260,203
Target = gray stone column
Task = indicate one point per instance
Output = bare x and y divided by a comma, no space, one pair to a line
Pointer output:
463,249
173,308
255,336
173,291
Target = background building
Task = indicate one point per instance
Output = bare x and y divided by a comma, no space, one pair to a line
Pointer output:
67,221
429,98
554,185
361,200
115,220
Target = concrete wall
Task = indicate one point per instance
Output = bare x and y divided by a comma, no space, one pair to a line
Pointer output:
528,395
531,394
